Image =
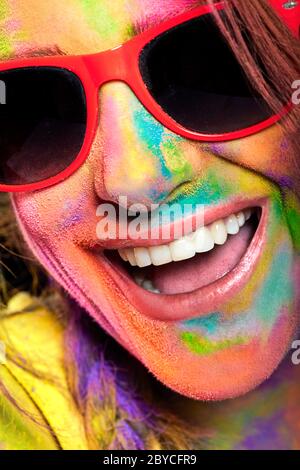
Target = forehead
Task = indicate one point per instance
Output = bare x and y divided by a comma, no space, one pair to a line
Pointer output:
78,26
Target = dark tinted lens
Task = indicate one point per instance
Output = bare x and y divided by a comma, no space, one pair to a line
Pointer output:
194,76
42,123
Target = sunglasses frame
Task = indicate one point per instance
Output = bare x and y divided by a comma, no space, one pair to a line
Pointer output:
122,64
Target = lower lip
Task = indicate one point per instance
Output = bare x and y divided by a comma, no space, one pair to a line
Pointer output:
200,302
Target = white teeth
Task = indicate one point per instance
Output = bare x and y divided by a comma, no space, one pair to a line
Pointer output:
201,241
148,285
131,256
142,257
241,219
248,214
219,232
139,279
232,225
182,249
160,255
123,255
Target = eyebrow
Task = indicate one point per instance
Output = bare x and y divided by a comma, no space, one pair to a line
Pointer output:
38,52
147,21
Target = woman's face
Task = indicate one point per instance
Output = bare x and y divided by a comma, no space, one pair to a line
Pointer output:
222,320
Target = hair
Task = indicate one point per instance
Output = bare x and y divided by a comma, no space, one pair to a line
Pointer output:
122,405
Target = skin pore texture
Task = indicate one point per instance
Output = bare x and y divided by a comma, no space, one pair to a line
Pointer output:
237,345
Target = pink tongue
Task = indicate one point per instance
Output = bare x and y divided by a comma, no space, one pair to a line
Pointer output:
203,269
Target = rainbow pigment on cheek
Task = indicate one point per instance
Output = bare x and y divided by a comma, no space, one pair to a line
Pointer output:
264,304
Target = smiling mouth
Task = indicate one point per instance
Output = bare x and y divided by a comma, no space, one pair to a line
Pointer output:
193,275
195,260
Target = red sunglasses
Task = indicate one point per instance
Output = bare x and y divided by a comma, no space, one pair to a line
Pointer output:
182,71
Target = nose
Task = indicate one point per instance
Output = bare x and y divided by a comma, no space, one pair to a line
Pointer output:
139,158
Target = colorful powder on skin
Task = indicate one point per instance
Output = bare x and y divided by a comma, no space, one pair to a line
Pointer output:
6,48
259,425
150,12
151,134
277,288
267,434
206,335
276,292
105,18
209,324
202,346
132,173
215,184
293,218
180,168
73,216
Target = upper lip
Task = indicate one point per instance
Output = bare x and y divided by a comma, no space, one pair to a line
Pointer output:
210,214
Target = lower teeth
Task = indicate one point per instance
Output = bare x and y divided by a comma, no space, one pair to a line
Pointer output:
146,284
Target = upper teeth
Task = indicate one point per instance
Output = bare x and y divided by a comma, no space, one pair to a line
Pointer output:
202,240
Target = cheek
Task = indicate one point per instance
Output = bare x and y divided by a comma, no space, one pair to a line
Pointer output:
293,218
269,153
54,213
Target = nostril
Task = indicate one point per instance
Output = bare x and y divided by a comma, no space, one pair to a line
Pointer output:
181,188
